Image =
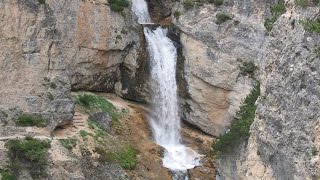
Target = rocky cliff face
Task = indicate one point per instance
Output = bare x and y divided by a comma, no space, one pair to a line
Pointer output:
284,140
213,52
51,48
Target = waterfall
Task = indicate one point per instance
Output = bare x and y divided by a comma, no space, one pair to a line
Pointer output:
140,8
166,123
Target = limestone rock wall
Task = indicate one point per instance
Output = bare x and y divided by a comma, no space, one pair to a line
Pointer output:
284,140
213,53
48,49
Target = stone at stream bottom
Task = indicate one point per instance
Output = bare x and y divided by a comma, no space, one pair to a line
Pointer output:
199,173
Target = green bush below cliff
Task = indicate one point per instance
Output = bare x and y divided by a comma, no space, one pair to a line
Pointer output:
239,129
306,3
216,2
221,18
125,156
30,154
118,5
31,120
312,25
5,175
248,68
94,102
276,10
68,143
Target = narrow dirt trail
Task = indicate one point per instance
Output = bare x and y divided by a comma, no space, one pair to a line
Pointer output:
79,123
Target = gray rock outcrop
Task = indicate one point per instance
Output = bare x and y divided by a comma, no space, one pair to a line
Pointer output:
213,53
284,140
51,48
102,119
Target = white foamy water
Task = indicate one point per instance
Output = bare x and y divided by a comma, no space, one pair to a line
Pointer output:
140,8
166,123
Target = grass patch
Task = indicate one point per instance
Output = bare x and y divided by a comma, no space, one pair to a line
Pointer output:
91,124
276,10
268,23
94,102
306,3
312,25
221,18
188,4
125,156
98,130
216,2
5,175
31,120
248,68
68,143
83,133
30,154
118,5
239,129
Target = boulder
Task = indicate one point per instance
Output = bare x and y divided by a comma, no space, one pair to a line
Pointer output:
102,119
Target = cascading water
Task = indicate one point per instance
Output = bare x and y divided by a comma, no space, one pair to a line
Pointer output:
166,123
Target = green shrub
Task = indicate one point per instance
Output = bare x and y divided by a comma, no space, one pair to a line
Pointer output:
30,154
306,2
317,51
31,120
68,143
177,14
236,22
86,100
50,97
221,18
312,25
188,4
125,156
239,129
118,37
216,2
42,1
268,23
53,85
302,2
83,133
5,175
92,101
46,79
276,10
118,5
248,68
